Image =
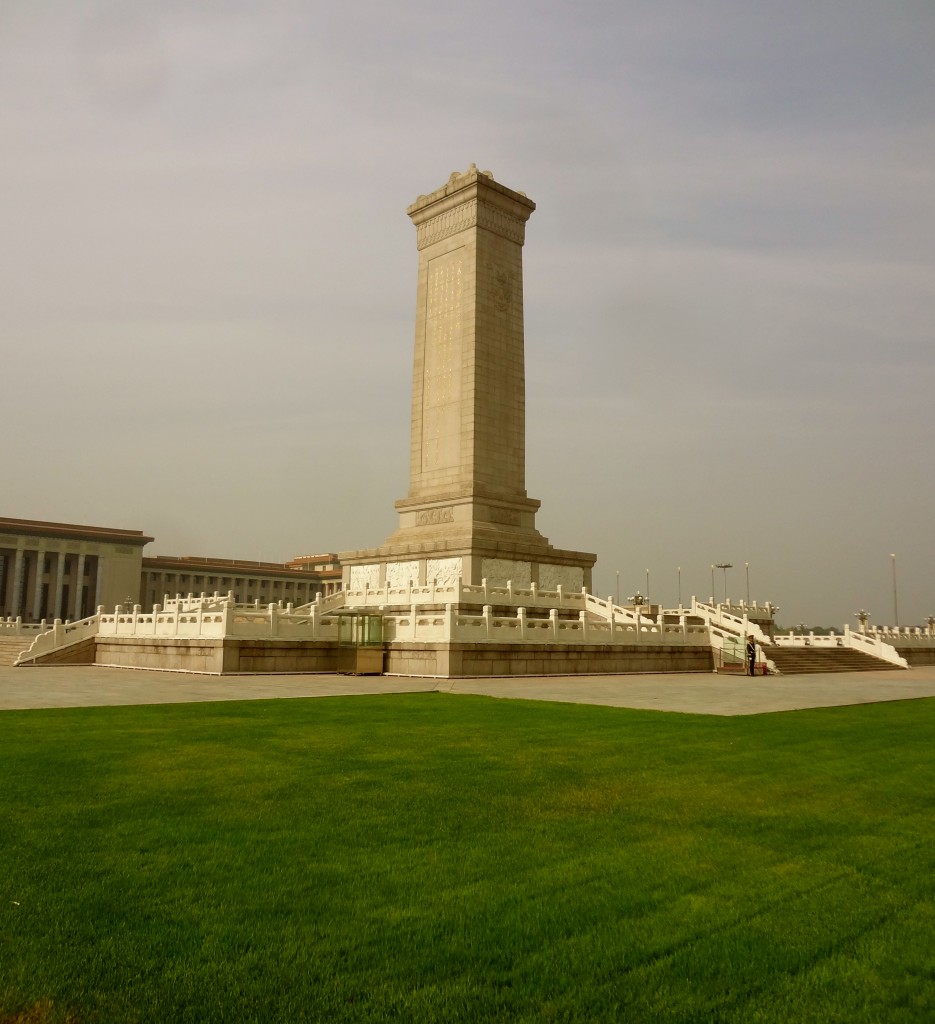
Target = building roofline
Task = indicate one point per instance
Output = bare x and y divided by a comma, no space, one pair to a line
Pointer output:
194,562
41,528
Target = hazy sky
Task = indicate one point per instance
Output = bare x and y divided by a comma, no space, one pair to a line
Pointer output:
208,276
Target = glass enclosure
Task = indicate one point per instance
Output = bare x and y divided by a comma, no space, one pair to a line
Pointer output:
360,629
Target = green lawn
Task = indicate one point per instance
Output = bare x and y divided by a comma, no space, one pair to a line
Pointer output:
440,858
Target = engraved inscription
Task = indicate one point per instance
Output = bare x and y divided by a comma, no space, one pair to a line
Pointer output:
441,384
434,516
506,516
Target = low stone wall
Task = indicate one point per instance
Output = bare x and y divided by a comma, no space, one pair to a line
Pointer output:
218,656
280,656
917,655
470,660
231,655
166,653
81,653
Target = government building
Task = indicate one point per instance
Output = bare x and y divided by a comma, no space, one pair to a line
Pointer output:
66,571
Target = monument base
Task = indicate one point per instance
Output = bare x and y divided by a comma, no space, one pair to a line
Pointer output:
421,564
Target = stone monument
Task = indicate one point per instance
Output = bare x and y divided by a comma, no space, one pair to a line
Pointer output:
467,514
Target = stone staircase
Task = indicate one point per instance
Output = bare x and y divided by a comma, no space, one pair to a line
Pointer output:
12,646
801,660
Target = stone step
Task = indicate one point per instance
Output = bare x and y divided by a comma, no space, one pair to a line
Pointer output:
12,646
803,660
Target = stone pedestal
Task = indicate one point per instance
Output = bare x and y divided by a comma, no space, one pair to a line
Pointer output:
467,513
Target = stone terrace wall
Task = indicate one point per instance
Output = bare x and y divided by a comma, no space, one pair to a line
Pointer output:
166,653
491,659
917,655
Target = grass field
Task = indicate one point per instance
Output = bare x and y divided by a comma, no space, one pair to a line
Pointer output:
438,858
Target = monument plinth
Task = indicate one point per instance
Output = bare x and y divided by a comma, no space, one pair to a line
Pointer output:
467,513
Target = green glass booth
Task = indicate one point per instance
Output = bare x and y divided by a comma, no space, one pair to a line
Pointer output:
360,643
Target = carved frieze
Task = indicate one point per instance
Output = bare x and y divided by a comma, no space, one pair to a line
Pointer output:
497,571
365,575
444,571
469,215
501,223
399,574
569,577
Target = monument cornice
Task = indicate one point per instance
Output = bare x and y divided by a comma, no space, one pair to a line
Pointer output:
472,199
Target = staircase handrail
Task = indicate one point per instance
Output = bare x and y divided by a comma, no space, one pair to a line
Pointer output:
60,636
714,615
853,639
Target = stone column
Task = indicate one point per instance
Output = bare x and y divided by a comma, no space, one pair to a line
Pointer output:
98,582
16,598
38,611
79,589
59,584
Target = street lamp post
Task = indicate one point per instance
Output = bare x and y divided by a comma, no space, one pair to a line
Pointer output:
895,595
618,586
725,566
679,571
746,566
647,587
713,598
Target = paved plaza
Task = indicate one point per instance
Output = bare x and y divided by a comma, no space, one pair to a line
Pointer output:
91,686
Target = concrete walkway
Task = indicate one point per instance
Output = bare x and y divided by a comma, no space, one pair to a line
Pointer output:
707,694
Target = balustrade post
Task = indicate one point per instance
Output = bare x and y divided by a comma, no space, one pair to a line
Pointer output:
487,614
583,619
553,622
534,588
316,618
450,622
521,616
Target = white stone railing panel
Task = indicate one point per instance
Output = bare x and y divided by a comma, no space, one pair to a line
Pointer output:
872,645
59,636
740,626
16,627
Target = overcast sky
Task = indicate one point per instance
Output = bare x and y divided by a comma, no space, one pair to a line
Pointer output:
207,284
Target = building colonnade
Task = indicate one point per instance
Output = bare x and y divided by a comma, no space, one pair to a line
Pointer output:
37,582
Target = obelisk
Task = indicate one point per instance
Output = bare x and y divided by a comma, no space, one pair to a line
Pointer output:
467,513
